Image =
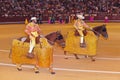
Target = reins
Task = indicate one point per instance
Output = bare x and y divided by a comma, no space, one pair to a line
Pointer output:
96,32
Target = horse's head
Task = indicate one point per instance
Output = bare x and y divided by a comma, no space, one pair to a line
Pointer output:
101,30
60,39
56,37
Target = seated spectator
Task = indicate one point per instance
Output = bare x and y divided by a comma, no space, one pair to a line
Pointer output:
47,7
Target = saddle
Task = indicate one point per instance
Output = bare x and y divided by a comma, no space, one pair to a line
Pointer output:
34,34
82,45
37,40
77,33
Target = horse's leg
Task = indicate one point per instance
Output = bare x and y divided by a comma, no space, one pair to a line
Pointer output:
92,59
10,53
36,69
76,56
19,67
51,70
65,53
86,56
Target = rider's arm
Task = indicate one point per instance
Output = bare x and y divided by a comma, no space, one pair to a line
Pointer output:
27,30
38,29
75,25
86,26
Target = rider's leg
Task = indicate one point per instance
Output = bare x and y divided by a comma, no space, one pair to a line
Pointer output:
31,47
82,44
32,43
81,36
82,39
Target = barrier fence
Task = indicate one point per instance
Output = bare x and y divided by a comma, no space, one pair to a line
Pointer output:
92,18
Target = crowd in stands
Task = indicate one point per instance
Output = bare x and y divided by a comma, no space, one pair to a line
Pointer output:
57,8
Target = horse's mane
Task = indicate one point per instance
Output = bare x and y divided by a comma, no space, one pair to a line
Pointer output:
49,34
99,27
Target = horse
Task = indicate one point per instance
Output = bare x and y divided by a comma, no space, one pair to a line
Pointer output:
20,45
51,38
73,40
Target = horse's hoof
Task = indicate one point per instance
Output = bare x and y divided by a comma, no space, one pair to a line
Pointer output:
19,69
77,58
52,72
66,58
86,56
36,72
93,60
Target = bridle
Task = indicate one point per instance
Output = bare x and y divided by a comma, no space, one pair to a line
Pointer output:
57,34
98,33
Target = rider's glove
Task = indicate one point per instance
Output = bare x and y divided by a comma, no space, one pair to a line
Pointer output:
41,36
91,28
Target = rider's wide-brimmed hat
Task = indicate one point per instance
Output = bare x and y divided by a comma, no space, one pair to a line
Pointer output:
80,16
33,18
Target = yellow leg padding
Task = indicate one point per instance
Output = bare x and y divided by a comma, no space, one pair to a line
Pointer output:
73,44
43,53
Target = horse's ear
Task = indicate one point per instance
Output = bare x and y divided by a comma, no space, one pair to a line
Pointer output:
104,25
59,31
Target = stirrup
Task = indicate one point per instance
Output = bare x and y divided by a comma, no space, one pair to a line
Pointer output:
30,55
82,45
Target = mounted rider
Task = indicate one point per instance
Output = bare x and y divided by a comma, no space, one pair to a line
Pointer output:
80,26
33,31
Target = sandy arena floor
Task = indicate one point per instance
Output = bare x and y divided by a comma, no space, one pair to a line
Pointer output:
106,66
